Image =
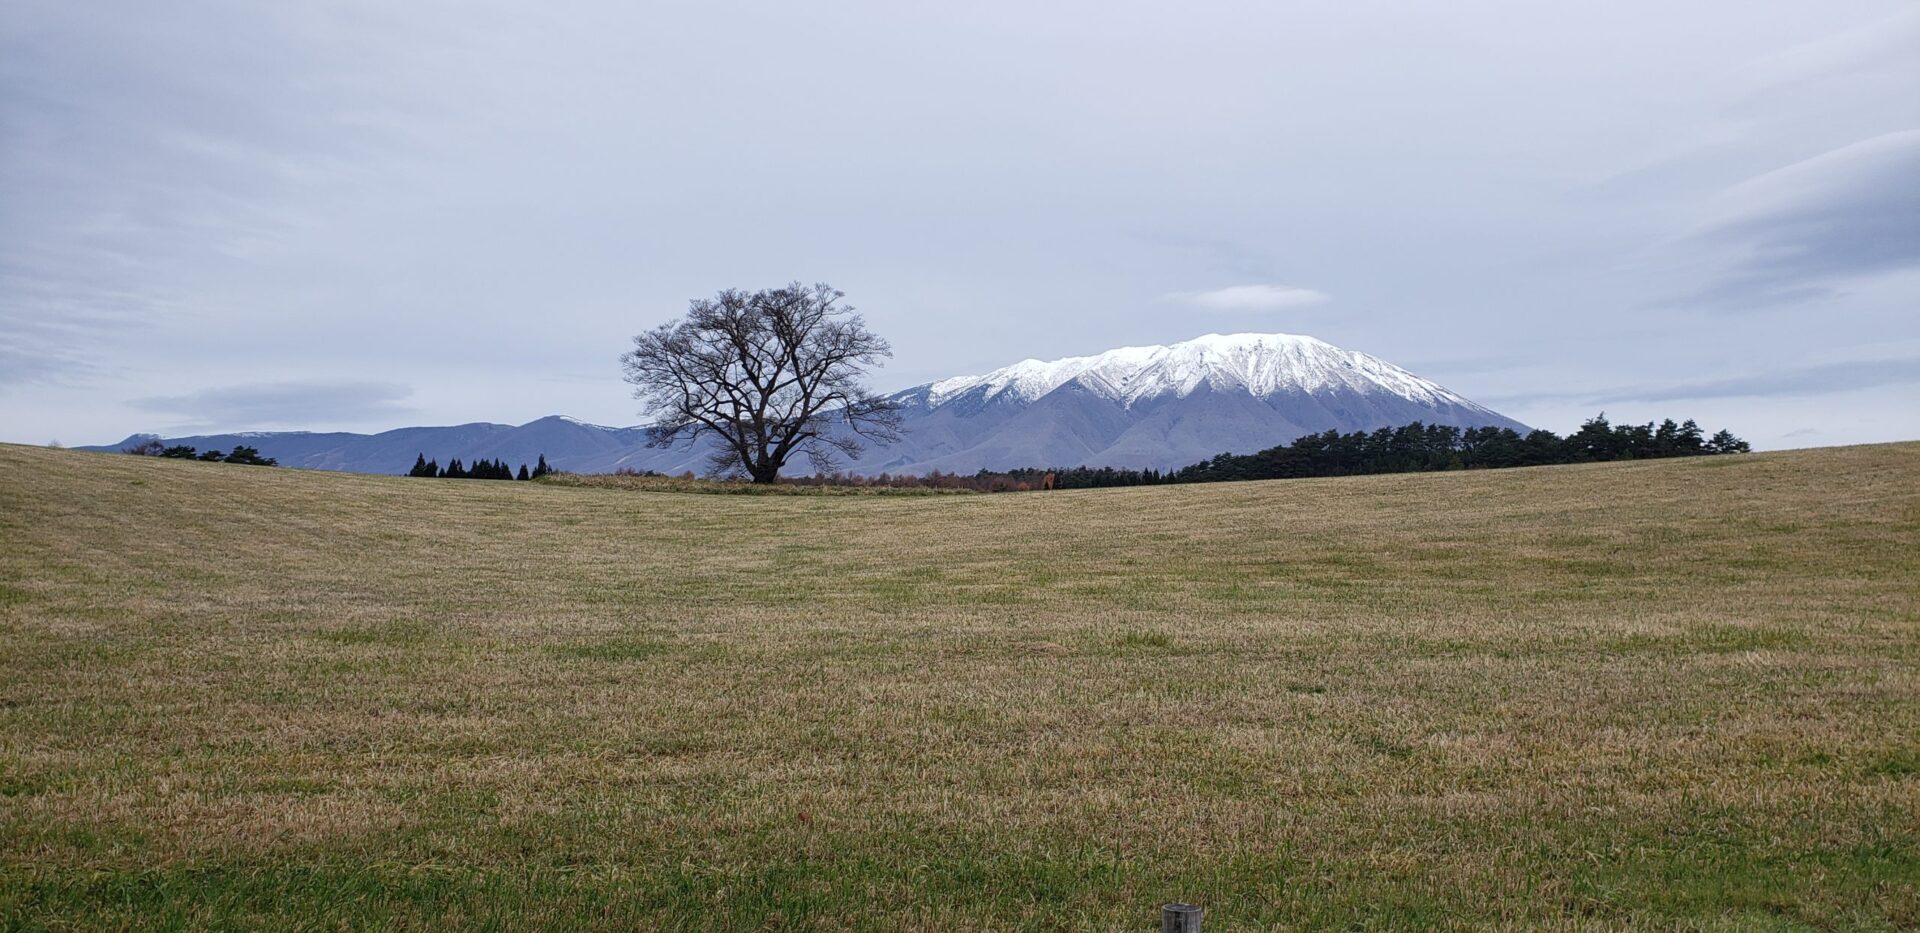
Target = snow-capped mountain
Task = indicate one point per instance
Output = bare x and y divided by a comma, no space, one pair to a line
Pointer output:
1259,364
1162,406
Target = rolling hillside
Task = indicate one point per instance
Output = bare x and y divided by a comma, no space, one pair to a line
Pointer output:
1681,693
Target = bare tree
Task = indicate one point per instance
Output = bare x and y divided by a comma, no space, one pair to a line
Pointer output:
767,375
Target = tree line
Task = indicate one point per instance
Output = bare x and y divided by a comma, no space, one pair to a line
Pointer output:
1410,448
479,469
1420,447
241,453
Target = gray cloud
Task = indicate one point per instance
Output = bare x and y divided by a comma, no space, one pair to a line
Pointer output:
1820,379
1251,298
1807,380
1800,232
284,403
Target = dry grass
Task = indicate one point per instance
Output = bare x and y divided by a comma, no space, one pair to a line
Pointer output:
1667,694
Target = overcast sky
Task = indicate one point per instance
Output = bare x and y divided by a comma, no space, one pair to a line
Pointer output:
248,215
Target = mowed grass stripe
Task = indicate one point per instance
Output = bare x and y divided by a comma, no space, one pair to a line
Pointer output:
1672,693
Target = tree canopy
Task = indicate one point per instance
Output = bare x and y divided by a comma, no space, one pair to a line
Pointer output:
764,376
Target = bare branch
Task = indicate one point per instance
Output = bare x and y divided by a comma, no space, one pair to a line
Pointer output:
765,376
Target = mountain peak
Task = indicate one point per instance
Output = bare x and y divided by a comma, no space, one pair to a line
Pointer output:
1262,365
569,419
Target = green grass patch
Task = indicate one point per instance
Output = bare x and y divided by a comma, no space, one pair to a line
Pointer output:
613,649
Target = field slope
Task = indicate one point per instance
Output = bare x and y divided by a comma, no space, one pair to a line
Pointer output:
1665,694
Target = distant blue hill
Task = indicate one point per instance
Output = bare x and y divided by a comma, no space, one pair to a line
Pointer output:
567,444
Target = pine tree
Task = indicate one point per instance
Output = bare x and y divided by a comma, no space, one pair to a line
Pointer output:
1725,443
523,472
249,456
541,469
1690,440
419,467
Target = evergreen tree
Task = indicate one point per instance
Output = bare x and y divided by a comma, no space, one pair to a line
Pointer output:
1689,441
541,469
212,455
1666,439
1725,443
249,456
523,472
1594,441
420,467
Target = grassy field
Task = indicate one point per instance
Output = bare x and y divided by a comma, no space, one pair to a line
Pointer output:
1673,694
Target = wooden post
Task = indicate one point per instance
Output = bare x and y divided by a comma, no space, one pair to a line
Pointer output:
1179,918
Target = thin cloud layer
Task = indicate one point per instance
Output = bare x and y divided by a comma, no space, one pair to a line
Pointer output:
1797,381
284,404
1800,231
1252,298
1805,380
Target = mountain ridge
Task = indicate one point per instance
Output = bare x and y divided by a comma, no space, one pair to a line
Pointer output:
1157,406
1166,405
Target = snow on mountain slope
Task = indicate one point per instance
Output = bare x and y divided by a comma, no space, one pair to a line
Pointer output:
1261,364
1163,406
